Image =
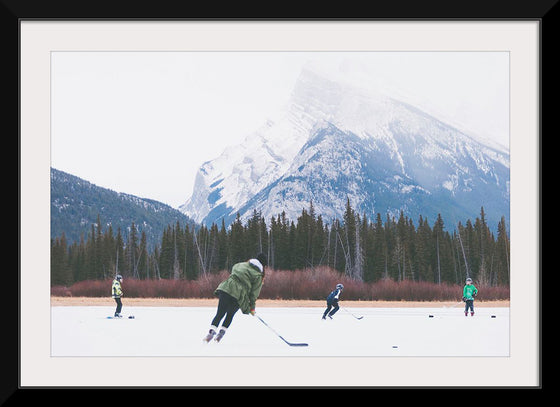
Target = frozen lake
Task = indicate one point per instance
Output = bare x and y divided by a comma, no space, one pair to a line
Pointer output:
178,331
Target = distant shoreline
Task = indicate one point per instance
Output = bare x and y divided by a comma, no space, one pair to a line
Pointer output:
212,302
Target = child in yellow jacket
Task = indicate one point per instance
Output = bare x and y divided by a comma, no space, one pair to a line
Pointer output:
116,293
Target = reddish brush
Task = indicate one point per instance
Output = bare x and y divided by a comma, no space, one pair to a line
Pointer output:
308,284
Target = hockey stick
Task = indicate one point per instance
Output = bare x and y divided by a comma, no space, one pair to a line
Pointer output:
454,305
278,335
351,313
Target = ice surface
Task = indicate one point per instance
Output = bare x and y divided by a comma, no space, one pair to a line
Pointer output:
178,331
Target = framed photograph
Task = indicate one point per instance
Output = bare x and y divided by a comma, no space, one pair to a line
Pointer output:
97,96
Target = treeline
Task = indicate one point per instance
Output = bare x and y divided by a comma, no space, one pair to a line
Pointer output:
358,248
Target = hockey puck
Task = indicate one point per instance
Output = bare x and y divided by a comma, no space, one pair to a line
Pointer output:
131,317
430,316
395,346
493,316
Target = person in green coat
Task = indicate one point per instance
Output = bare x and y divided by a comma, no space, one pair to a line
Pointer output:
469,292
239,291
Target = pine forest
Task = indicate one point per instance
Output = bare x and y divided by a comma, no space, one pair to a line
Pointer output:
356,248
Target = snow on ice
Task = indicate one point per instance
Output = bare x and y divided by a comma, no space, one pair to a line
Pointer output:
178,331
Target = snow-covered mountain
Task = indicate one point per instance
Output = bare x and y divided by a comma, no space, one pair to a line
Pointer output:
337,141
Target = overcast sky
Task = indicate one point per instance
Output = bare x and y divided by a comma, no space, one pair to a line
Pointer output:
143,122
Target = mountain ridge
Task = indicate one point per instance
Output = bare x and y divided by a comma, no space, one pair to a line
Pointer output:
393,156
76,204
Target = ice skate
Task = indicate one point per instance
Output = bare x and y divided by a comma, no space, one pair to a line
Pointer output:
210,335
220,335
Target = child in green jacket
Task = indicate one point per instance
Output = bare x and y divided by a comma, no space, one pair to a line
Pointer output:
239,291
469,292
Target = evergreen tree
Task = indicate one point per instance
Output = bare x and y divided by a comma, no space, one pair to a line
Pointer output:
237,241
291,256
60,268
131,252
108,252
255,237
143,258
91,258
272,247
338,248
222,262
400,253
166,254
318,242
363,250
437,238
351,244
189,253
379,250
119,253
424,248
390,228
77,260
502,254
302,244
281,242
213,249
484,238
201,241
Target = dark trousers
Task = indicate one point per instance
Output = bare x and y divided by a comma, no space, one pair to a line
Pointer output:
469,304
331,305
227,306
119,305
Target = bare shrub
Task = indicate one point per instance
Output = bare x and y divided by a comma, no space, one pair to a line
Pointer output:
306,284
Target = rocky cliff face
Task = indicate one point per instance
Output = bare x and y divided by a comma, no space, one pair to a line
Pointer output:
337,141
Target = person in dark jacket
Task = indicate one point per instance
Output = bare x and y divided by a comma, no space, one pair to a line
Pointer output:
332,301
239,291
